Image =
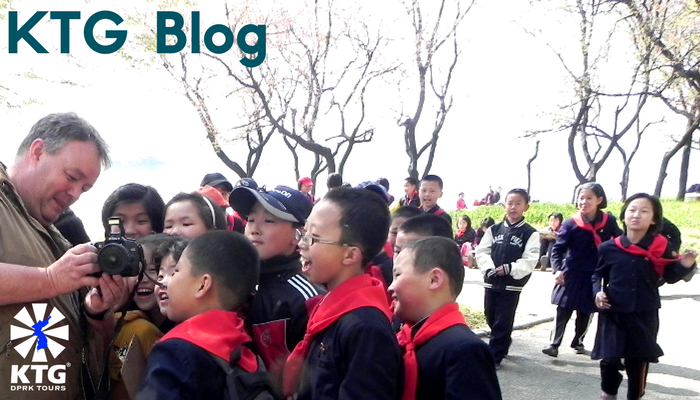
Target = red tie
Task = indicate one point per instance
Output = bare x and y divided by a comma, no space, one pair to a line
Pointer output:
656,250
443,318
593,228
357,292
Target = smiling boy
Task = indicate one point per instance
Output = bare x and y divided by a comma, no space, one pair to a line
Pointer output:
440,351
349,351
278,314
430,192
506,255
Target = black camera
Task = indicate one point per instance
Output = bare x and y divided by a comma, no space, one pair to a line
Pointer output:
118,255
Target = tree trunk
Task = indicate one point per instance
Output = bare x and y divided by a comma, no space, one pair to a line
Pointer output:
683,179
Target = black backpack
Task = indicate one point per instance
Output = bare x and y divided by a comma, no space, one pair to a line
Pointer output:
243,385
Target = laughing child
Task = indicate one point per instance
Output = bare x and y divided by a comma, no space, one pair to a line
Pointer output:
349,350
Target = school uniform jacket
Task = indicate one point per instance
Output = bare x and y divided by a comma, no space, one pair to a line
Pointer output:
413,201
516,246
456,365
630,281
278,315
576,254
441,213
357,357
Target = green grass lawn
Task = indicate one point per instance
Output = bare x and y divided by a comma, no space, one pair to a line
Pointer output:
685,215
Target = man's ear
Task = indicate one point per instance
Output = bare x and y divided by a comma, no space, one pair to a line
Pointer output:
438,278
205,285
36,149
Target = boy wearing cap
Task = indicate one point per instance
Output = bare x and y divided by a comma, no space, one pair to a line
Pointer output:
278,314
219,182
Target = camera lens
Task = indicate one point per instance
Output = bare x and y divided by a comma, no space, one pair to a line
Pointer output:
112,259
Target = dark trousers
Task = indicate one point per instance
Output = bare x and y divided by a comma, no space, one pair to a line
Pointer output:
499,307
583,320
611,377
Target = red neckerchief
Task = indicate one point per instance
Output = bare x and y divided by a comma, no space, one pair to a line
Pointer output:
205,330
445,317
654,254
460,232
359,291
591,227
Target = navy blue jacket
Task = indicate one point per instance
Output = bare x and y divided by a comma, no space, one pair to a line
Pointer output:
456,365
178,369
576,254
630,281
357,357
444,213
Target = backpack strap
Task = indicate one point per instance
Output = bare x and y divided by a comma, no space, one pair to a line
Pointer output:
243,385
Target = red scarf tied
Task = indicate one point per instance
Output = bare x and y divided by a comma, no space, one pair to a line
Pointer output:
654,254
357,292
218,332
592,227
443,318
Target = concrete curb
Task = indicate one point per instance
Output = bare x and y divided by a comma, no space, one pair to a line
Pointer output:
525,325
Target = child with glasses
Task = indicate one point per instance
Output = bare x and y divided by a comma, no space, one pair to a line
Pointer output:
349,350
278,313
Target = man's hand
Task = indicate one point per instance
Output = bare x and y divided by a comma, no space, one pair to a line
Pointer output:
111,292
72,271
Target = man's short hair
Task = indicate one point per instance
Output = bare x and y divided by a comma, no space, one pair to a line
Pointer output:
364,219
56,130
427,225
231,260
433,178
433,251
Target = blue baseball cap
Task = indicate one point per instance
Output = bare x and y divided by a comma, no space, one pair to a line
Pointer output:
283,202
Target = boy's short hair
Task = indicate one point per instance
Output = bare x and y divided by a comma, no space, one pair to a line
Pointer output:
406,212
520,192
231,260
433,178
413,181
163,245
427,225
440,252
364,220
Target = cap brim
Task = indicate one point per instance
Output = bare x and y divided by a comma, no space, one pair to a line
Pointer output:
243,199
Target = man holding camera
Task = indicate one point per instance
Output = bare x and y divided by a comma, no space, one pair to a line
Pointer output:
42,279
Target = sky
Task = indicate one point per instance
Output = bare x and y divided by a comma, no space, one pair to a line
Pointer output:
507,83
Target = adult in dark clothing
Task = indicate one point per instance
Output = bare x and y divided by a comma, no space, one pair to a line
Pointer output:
72,228
574,258
625,286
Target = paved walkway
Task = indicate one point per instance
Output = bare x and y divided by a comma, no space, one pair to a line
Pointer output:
529,374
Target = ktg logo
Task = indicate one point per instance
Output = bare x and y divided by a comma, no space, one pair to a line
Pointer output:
40,334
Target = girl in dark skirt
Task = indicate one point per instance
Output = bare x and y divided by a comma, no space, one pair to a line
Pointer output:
573,260
625,286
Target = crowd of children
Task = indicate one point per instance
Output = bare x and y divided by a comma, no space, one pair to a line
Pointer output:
341,298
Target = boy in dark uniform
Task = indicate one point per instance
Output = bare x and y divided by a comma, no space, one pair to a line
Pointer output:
349,350
506,256
443,358
430,192
278,313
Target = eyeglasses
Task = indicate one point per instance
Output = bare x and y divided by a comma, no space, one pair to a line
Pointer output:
308,241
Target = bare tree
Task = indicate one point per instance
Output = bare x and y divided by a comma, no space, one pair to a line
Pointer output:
529,165
603,111
672,28
435,39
